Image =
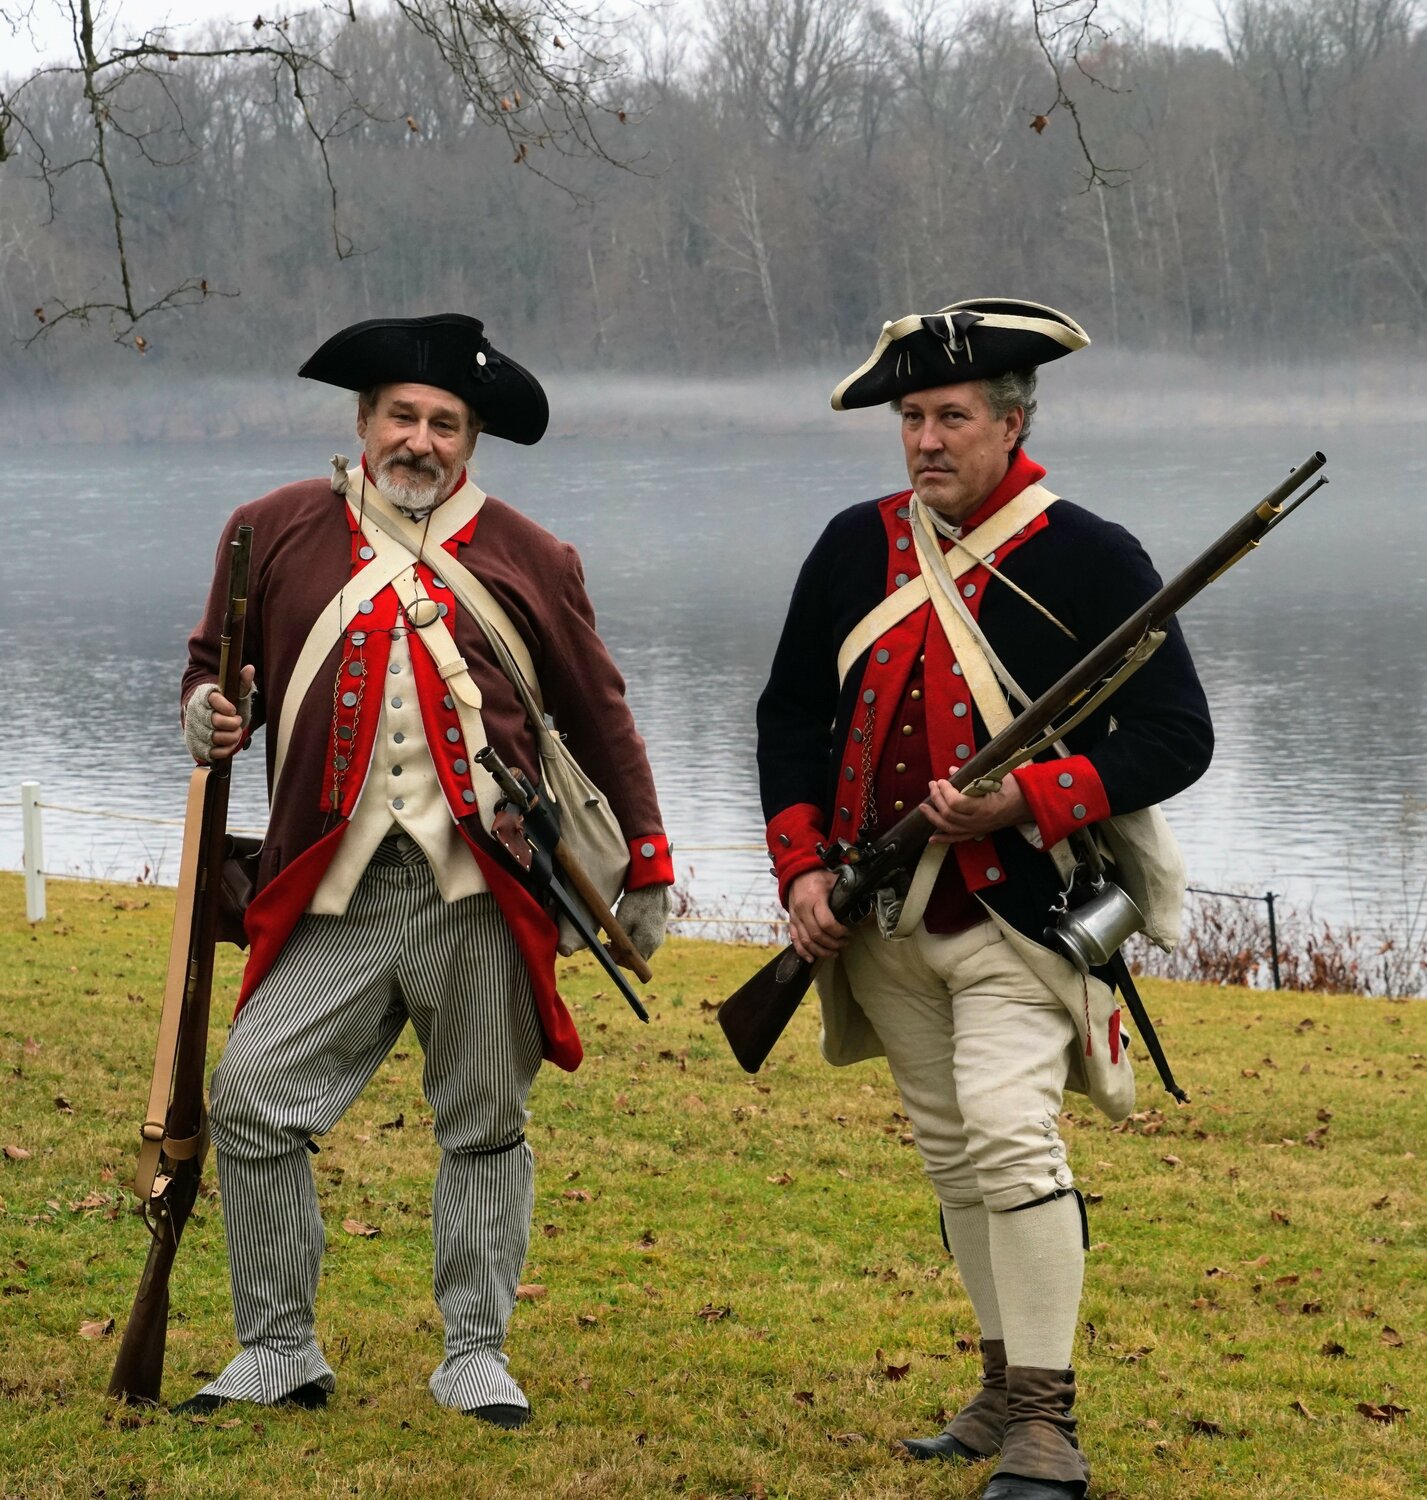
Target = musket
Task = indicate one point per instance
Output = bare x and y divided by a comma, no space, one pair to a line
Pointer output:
539,831
754,1016
174,1135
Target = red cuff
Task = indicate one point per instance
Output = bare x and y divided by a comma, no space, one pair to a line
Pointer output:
1063,795
793,839
651,862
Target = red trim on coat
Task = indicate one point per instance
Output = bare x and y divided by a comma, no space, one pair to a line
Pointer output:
1053,805
801,825
654,867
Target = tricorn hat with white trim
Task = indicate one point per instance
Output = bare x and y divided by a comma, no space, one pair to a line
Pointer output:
450,351
973,340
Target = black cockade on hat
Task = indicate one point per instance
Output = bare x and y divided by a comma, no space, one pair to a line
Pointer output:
449,351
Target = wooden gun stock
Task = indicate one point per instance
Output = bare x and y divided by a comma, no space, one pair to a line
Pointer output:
175,1130
755,1016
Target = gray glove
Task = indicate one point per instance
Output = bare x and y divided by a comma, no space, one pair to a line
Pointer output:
644,914
198,720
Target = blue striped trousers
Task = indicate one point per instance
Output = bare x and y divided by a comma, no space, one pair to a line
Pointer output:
302,1049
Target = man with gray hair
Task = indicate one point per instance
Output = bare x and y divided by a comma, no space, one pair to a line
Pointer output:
375,610
913,622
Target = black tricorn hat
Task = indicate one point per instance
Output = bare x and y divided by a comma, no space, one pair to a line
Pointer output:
973,340
450,351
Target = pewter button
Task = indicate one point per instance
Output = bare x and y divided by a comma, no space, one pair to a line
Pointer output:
453,735
916,694
903,512
397,803
437,584
396,770
399,737
903,542
443,610
959,709
869,696
848,773
842,812
395,669
902,579
365,607
990,557
344,733
906,728
884,656
396,702
365,553
647,850
355,669
446,702
898,806
901,767
1078,811
785,841
956,669
1066,779
349,700
992,873
340,762
963,751
468,796
459,767
969,590
857,735
359,637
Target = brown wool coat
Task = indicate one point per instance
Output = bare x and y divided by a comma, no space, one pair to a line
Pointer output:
301,557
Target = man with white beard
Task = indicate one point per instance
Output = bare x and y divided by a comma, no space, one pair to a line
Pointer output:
380,896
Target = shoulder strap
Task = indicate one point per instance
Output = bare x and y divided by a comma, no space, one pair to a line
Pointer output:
993,532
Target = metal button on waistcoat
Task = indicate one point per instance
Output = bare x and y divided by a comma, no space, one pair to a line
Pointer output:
356,669
447,702
437,584
990,557
443,610
901,768
992,873
396,770
453,735
359,637
959,709
339,762
916,693
903,542
398,803
1078,811
365,553
884,656
969,590
396,702
906,728
848,774
785,841
857,735
349,700
963,751
842,812
904,512
399,737
869,696
395,669
468,796
956,669
344,733
898,805
1066,779
647,850
902,579
365,607
459,767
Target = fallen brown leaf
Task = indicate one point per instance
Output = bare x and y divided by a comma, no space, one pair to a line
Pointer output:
803,1398
1302,1411
17,1153
712,1314
1392,1338
100,1329
531,1292
780,1179
361,1228
1387,1412
897,1372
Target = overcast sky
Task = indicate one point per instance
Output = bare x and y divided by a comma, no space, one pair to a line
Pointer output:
48,25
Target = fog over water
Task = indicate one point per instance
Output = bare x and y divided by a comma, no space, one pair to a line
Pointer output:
693,504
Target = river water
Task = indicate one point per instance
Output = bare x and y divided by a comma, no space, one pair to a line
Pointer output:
692,526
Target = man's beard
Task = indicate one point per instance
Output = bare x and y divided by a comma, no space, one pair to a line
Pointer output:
417,485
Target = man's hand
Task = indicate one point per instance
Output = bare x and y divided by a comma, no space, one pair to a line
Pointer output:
644,915
958,817
213,728
816,932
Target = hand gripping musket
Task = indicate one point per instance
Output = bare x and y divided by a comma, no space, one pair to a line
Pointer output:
174,1136
539,831
754,1017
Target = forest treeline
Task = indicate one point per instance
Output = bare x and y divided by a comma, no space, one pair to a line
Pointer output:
790,173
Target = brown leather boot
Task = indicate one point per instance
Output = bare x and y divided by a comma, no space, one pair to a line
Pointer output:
1040,1456
975,1431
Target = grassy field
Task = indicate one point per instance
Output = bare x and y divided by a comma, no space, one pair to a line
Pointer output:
736,1285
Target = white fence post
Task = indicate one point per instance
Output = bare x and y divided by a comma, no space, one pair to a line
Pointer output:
34,851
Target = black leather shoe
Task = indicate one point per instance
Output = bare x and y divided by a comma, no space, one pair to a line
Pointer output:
1017,1487
310,1397
499,1414
943,1445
